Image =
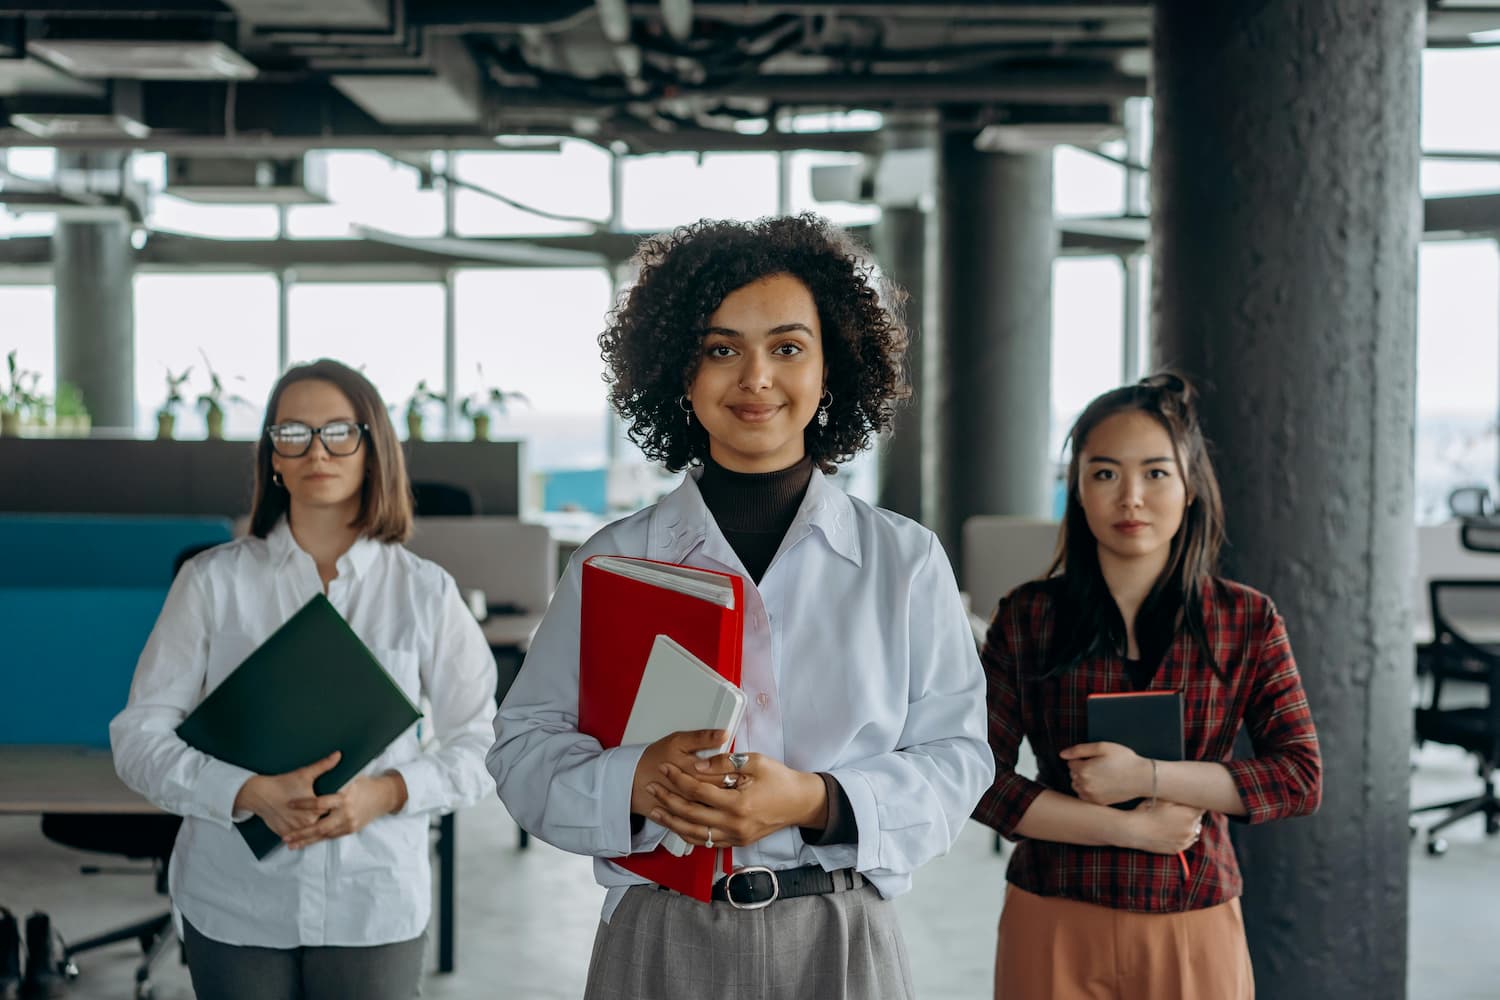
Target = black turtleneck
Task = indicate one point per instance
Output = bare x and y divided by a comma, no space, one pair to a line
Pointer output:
754,509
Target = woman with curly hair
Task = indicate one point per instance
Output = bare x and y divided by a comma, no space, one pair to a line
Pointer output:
758,356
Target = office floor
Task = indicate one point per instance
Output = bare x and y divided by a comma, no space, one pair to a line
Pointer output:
526,918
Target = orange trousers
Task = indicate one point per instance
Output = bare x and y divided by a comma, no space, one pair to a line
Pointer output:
1061,949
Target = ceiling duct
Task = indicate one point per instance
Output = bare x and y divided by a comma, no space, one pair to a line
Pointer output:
448,92
247,181
134,59
62,118
340,15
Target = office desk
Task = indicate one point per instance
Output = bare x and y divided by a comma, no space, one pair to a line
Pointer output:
66,779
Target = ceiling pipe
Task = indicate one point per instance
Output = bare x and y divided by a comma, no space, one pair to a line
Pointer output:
678,17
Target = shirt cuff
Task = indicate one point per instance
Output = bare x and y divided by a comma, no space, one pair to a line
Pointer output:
866,817
840,827
218,786
616,777
423,787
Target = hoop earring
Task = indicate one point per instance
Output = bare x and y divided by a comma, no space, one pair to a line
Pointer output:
823,409
686,406
276,479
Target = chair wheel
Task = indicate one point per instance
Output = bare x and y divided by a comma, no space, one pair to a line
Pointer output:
144,991
1437,847
1491,825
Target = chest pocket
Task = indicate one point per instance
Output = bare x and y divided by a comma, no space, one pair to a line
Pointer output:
404,667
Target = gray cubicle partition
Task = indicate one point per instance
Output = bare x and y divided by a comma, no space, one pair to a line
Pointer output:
126,476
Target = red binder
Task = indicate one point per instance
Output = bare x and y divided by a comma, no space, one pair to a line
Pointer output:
621,618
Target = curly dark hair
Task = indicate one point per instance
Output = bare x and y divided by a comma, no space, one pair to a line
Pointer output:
651,346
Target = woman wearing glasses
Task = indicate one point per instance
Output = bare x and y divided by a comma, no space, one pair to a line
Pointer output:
342,910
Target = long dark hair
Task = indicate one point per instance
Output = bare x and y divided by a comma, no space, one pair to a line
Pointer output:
1089,621
385,499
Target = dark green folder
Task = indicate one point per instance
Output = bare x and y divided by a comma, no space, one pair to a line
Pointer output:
312,688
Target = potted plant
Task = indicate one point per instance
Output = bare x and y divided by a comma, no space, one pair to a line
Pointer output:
166,414
420,397
212,402
19,397
480,406
71,414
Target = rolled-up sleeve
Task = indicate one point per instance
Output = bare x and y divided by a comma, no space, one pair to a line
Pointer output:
458,678
169,679
1007,799
910,804
1285,776
560,785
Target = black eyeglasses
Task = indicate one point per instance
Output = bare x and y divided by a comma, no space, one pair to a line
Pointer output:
293,439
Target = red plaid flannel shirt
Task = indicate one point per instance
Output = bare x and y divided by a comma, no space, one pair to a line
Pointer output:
1264,692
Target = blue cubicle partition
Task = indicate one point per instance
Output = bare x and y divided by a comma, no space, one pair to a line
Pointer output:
78,597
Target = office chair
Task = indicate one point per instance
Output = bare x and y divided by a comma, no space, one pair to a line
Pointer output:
434,499
145,837
1459,653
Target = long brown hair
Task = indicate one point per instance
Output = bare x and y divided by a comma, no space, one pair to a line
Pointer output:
1089,620
385,500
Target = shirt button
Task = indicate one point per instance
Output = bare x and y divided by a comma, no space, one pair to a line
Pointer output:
763,699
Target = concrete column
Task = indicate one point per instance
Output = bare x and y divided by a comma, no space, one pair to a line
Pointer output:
93,267
989,396
1287,218
900,246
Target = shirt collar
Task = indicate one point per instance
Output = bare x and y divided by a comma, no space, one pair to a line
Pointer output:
681,520
282,545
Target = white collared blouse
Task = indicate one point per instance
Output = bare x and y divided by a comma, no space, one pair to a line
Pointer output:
372,887
858,661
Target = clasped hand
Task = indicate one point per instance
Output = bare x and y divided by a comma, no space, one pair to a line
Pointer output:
300,816
690,796
1106,773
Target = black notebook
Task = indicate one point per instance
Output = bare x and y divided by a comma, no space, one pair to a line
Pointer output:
1148,722
312,688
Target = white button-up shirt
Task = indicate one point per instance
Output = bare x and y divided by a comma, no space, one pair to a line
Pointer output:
858,661
372,887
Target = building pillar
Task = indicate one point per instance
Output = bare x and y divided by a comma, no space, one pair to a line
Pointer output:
989,393
93,268
1287,217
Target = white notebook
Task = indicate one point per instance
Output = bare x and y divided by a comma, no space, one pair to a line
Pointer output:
679,691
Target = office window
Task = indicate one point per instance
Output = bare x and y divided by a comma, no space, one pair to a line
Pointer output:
1088,298
369,189
28,329
573,180
1452,79
393,332
535,331
672,189
197,321
1087,185
1458,355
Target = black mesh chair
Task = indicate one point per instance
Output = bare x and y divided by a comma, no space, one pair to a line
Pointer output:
141,838
145,837
443,500
1460,656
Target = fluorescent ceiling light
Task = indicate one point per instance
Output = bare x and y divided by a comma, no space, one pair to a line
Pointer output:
143,60
1485,37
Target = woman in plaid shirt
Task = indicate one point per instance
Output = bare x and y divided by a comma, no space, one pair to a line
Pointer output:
1140,902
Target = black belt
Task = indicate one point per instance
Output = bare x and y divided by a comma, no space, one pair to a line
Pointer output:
754,886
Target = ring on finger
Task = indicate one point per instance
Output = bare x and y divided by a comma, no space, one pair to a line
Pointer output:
731,780
739,760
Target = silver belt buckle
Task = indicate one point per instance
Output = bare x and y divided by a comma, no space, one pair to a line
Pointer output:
751,870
